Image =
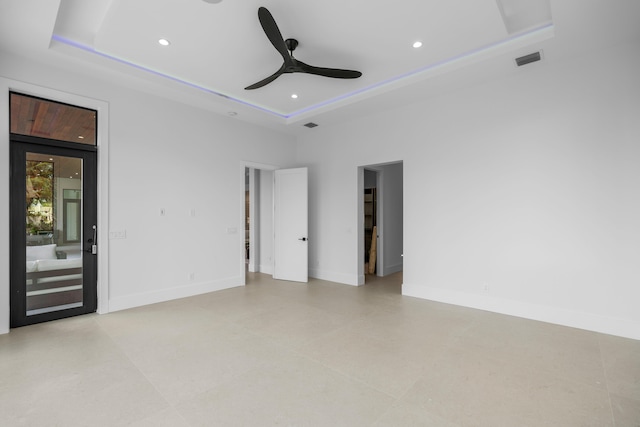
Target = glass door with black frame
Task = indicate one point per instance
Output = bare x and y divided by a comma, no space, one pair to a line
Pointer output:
53,237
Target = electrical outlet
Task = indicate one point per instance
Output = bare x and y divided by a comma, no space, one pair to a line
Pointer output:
120,234
485,287
192,276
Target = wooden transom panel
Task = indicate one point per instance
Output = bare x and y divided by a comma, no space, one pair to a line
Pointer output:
53,120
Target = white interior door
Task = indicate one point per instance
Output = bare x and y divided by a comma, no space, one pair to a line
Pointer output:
290,243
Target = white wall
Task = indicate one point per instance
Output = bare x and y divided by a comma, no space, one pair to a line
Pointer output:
529,185
162,154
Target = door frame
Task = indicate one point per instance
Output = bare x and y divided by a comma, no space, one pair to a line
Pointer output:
383,185
379,221
20,146
10,85
254,220
252,202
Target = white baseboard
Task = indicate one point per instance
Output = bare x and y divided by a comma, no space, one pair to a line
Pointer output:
331,276
392,269
559,316
146,298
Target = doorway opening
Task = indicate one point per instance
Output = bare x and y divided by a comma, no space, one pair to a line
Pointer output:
380,220
370,222
274,208
247,218
257,219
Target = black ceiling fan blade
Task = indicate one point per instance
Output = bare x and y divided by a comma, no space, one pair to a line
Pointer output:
273,32
266,81
336,73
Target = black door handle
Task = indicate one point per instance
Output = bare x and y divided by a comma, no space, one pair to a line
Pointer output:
93,248
304,239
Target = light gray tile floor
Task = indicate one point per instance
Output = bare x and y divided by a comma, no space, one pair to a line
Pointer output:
316,354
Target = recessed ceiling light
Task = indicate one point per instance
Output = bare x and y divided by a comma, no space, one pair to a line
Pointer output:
80,137
232,113
212,1
164,42
416,45
294,96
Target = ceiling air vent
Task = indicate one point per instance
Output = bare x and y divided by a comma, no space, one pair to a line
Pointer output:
528,59
311,125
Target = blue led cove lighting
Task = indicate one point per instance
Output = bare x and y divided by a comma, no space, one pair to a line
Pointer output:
319,105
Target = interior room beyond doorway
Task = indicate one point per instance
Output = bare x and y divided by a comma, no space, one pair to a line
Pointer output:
380,222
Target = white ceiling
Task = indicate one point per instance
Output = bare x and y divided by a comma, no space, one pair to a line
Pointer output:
218,49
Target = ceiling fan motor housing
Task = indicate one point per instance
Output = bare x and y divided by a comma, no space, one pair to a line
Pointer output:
292,44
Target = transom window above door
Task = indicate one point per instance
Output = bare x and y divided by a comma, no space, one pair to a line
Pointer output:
43,118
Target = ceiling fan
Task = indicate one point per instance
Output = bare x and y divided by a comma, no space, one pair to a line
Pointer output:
291,64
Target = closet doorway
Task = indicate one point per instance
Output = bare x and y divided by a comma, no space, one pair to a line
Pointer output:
371,235
380,220
257,218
